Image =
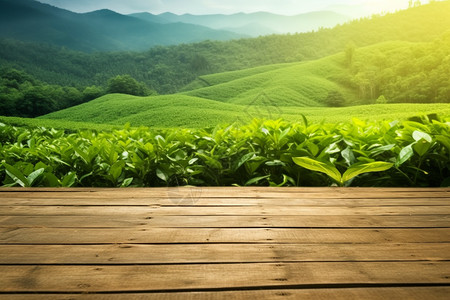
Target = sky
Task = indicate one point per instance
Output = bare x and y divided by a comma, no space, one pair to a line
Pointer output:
284,7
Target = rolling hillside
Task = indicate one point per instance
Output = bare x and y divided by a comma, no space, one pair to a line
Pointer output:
398,71
168,69
180,111
289,90
301,84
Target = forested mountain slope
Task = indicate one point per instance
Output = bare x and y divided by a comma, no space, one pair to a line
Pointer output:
401,72
103,30
168,69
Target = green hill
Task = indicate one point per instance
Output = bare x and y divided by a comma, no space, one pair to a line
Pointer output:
398,71
190,112
159,111
168,69
302,84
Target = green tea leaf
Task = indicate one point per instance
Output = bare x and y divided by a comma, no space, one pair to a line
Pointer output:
35,176
51,180
275,163
422,147
405,154
162,175
348,155
69,179
315,165
313,148
358,169
16,175
305,120
378,150
116,169
444,141
419,135
127,182
256,179
243,160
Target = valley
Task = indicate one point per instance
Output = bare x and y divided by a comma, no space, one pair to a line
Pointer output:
113,99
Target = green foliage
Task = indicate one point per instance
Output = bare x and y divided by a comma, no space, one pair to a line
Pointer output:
329,169
24,96
168,69
350,53
403,72
379,70
126,84
274,153
381,100
335,99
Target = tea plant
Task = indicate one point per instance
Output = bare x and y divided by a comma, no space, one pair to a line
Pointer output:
270,153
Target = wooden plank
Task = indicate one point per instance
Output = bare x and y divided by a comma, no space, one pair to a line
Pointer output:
216,243
117,254
415,293
219,235
217,276
241,190
143,221
383,293
331,193
154,210
236,201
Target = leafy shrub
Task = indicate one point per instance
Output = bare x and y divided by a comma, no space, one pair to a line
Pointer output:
275,153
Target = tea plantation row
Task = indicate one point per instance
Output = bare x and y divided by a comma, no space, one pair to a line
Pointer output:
275,153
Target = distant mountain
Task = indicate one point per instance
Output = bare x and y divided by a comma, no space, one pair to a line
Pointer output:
103,30
168,69
255,24
152,18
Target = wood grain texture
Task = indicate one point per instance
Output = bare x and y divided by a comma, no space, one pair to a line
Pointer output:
220,235
410,293
216,276
218,253
144,221
225,243
157,210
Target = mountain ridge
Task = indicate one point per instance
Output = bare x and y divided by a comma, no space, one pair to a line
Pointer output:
102,30
278,24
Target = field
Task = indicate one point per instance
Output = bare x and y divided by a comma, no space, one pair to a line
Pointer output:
192,112
331,89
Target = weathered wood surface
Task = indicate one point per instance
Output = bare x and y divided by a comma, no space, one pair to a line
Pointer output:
225,243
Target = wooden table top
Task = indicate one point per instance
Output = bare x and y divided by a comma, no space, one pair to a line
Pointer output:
225,243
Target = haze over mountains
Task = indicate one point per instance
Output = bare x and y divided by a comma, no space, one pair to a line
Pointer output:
103,30
254,24
106,30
